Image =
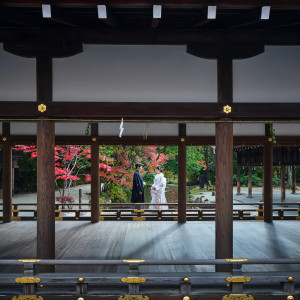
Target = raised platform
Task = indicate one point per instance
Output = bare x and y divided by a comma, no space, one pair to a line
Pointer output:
155,240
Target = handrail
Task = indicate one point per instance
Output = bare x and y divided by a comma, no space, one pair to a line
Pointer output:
39,273
239,261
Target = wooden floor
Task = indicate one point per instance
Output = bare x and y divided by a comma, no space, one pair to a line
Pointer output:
155,240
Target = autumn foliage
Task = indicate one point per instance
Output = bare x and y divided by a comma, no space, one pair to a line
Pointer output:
116,164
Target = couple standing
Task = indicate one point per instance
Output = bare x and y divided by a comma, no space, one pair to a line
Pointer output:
157,189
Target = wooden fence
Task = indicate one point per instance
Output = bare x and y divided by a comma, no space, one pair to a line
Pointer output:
37,280
141,212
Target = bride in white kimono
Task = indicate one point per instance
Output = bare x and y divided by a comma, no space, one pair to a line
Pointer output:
158,190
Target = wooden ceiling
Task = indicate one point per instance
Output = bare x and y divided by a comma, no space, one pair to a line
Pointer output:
270,22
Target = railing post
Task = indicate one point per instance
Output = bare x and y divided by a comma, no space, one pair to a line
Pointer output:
81,287
288,287
133,288
29,271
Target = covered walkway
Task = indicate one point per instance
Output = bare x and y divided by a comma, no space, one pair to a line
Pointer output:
155,241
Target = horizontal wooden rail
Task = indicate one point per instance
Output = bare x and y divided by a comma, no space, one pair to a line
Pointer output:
141,212
34,281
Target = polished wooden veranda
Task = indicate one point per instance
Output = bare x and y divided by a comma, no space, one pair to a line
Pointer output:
160,240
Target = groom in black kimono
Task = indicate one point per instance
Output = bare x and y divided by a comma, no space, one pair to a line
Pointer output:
138,185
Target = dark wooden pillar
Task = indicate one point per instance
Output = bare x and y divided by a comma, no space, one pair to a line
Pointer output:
282,177
250,182
6,174
293,179
182,175
95,179
224,169
238,180
45,164
268,178
45,189
44,79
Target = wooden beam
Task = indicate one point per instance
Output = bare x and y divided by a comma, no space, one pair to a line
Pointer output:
45,166
45,190
113,111
95,175
268,178
249,182
182,175
54,14
44,79
8,14
293,179
224,193
156,16
6,173
147,37
205,16
224,169
282,186
238,180
251,17
106,16
197,3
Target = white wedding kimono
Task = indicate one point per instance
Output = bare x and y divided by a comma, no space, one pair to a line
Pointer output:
158,195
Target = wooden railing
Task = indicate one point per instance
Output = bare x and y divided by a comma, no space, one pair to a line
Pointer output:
31,277
141,212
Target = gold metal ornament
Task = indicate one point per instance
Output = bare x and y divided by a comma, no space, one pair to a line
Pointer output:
227,109
186,298
139,219
186,280
134,261
27,280
290,297
133,297
238,297
29,260
42,108
270,139
236,259
80,298
238,279
27,297
4,139
133,280
290,279
94,139
80,280
182,139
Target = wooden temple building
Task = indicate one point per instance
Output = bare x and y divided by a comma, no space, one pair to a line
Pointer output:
192,72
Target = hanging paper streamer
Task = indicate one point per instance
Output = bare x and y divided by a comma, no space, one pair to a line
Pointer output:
121,128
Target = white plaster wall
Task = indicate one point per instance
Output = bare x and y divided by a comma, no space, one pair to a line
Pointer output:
17,77
154,74
138,129
73,128
23,128
270,77
244,129
200,129
287,129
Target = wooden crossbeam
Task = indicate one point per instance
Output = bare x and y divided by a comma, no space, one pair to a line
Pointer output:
154,140
279,3
157,9
150,37
205,16
250,17
106,16
54,14
113,111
